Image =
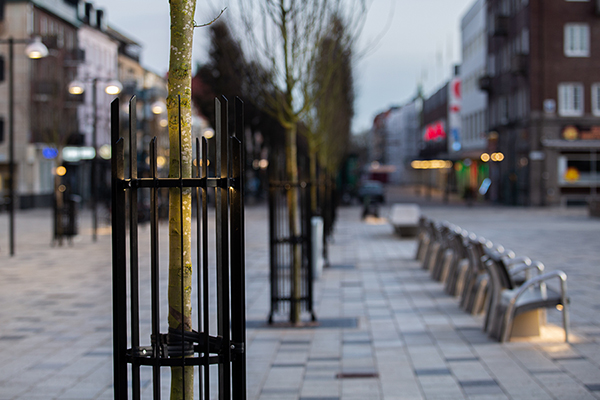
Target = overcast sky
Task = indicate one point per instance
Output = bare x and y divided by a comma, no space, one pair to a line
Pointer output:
421,44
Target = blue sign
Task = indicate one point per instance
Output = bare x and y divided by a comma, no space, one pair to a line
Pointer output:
49,153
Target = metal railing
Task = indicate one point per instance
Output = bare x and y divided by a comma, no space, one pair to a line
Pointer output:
222,344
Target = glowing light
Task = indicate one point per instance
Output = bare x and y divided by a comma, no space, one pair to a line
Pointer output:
158,107
559,307
49,153
431,164
76,87
163,123
62,188
497,157
208,133
263,164
61,171
160,161
36,49
485,157
105,152
113,87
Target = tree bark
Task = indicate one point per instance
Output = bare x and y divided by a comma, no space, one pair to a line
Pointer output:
180,164
291,158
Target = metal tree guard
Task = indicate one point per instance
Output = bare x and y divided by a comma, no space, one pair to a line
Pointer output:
200,348
282,243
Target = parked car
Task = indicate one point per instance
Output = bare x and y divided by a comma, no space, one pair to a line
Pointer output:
373,190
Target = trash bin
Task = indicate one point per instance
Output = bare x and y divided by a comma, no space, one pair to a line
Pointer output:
65,225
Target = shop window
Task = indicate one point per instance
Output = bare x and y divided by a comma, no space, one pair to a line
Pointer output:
577,40
570,99
579,169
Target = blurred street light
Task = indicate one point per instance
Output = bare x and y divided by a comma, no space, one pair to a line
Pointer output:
35,49
112,87
158,107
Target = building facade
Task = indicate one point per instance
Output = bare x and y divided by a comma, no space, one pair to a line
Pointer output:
403,127
48,120
44,113
543,81
470,170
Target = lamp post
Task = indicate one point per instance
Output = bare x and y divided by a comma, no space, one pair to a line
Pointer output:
34,50
113,87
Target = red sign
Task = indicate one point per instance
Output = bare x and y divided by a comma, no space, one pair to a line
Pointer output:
434,131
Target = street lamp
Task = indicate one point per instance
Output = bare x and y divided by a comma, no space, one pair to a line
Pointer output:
34,50
113,87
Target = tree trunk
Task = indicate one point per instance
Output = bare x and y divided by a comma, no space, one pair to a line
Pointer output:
294,221
180,163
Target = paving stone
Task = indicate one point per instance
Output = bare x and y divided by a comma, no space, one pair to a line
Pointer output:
378,312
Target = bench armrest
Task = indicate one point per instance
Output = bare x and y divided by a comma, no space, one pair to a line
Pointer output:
526,267
517,260
541,280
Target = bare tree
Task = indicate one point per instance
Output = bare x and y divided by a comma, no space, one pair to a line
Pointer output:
331,119
180,209
285,36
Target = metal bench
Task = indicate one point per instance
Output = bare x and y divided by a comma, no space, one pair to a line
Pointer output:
507,300
405,219
454,275
423,238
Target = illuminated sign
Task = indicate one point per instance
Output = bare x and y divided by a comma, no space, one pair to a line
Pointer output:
49,153
73,154
435,132
454,119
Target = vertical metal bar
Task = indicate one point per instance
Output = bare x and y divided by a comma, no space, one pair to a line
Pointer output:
222,251
93,182
205,281
272,245
308,279
118,259
199,254
11,146
238,279
133,249
181,235
154,272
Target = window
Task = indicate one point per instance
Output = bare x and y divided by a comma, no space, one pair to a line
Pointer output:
525,41
596,99
570,99
577,40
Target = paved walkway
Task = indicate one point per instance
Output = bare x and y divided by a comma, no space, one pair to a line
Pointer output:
387,331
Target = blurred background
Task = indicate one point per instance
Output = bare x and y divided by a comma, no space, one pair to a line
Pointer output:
488,101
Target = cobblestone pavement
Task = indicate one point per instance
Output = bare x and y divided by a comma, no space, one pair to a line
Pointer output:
386,330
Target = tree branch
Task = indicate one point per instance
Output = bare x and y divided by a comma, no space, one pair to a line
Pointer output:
211,22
